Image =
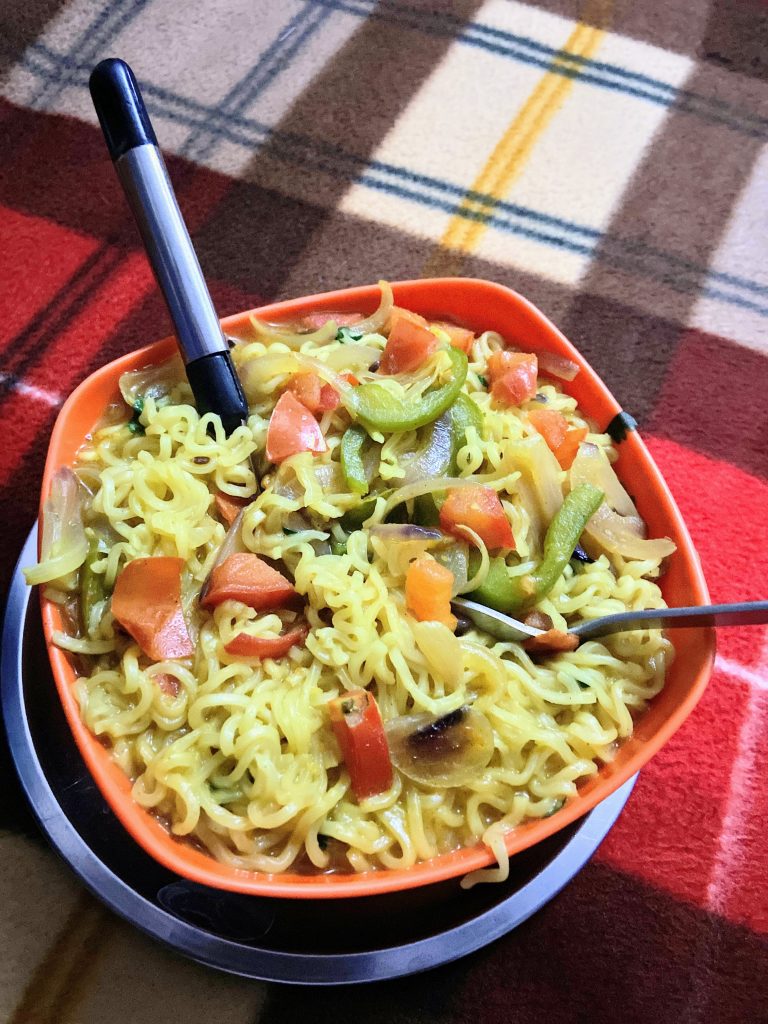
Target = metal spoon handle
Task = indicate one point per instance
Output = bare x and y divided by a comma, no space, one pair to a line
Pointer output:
504,627
132,144
745,613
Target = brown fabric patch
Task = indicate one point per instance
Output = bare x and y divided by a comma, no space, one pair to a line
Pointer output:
674,26
666,212
20,25
736,37
630,350
350,106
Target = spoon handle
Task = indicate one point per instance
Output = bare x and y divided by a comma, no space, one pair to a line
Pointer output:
745,613
132,144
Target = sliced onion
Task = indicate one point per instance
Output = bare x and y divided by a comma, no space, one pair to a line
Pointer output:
351,357
326,374
442,651
542,472
64,546
556,365
591,466
231,545
256,373
276,332
434,457
448,751
400,543
296,522
155,382
456,558
431,486
485,561
379,317
330,477
286,484
612,534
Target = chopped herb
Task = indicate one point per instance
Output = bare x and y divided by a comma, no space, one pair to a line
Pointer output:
620,426
483,380
348,334
134,424
322,841
338,547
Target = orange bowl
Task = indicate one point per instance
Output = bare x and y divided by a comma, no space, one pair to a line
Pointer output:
480,305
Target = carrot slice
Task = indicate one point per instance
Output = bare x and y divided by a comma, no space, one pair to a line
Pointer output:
292,429
562,441
409,345
428,587
359,731
552,642
566,452
245,577
229,506
247,646
552,426
478,508
147,603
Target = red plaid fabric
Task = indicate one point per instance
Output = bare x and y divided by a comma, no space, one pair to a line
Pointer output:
606,160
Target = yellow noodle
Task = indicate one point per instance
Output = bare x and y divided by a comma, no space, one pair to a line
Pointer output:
241,757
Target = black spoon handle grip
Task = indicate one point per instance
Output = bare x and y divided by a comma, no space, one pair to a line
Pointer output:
120,108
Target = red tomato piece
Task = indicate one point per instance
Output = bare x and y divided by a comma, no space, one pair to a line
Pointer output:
409,345
292,429
147,603
428,588
245,577
478,508
460,337
514,377
315,321
313,393
359,731
247,646
168,684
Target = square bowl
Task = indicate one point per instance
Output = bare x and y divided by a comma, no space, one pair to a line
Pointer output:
479,305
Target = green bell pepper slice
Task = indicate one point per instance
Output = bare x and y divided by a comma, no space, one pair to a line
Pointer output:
352,459
92,586
377,409
464,413
510,594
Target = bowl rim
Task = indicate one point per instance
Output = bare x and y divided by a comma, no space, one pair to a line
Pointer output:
181,856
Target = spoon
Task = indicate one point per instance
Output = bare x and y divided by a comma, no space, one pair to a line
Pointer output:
504,627
132,144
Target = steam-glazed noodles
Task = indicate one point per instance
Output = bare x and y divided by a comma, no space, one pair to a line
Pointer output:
238,751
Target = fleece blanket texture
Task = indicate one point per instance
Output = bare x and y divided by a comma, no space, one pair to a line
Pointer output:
605,158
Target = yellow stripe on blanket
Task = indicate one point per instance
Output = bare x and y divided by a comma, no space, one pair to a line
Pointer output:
513,149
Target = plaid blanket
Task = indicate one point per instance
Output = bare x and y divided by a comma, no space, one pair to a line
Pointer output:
607,160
